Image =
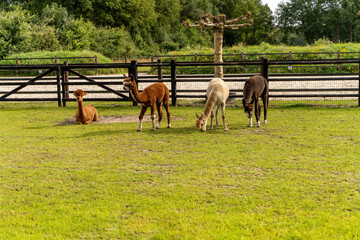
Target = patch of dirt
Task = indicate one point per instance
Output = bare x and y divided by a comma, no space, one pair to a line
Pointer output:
116,119
110,119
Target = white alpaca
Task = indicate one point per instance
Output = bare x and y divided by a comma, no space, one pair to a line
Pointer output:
217,93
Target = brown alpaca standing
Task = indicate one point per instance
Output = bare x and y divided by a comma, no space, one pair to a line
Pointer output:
85,114
254,88
151,96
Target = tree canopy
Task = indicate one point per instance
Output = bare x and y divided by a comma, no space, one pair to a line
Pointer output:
313,19
120,28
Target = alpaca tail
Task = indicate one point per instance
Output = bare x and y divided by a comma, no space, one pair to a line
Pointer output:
267,92
166,100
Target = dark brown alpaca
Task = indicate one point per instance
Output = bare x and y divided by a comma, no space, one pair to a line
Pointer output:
85,114
254,88
153,95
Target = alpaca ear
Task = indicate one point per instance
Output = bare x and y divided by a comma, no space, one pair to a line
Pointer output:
85,93
202,117
197,116
124,76
132,77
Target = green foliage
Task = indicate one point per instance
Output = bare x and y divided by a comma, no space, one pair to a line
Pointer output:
333,19
46,57
277,52
113,42
14,30
153,26
86,57
294,178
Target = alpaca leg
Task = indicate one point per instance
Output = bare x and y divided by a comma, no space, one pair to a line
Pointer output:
159,110
250,122
223,116
153,116
141,116
167,109
216,115
257,112
96,115
211,120
265,102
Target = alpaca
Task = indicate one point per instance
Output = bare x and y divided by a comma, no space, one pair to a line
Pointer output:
85,114
254,88
217,93
153,95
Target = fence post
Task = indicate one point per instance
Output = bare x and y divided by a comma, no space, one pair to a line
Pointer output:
290,57
134,71
242,59
359,86
17,64
152,67
67,80
96,61
196,59
173,83
65,86
58,85
160,73
265,68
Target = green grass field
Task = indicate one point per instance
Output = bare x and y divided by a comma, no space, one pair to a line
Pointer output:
298,177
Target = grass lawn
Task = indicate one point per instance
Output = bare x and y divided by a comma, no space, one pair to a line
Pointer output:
298,177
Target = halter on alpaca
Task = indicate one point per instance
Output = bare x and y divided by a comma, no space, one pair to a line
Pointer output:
153,95
254,88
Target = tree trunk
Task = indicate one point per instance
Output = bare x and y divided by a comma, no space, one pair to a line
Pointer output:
218,43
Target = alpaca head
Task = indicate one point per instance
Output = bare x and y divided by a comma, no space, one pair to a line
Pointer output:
79,94
200,122
129,83
248,108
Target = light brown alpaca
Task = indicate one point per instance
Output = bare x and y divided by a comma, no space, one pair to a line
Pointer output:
85,114
217,93
151,96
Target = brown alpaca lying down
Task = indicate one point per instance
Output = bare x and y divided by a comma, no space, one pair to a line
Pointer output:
85,114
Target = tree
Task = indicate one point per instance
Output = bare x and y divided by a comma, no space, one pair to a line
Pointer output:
315,19
218,24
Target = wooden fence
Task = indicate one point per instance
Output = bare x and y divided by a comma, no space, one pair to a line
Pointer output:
57,81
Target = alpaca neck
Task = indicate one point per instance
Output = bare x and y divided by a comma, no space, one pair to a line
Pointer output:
138,97
248,96
208,107
81,109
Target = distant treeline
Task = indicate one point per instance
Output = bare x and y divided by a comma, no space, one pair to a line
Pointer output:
118,28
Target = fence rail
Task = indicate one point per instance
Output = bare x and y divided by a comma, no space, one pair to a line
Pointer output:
58,81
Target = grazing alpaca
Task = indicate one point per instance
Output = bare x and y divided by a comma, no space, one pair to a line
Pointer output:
151,96
254,88
217,93
85,114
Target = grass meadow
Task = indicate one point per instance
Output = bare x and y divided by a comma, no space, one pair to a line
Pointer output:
298,177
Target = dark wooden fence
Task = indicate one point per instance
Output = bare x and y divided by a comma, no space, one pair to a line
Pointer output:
59,80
